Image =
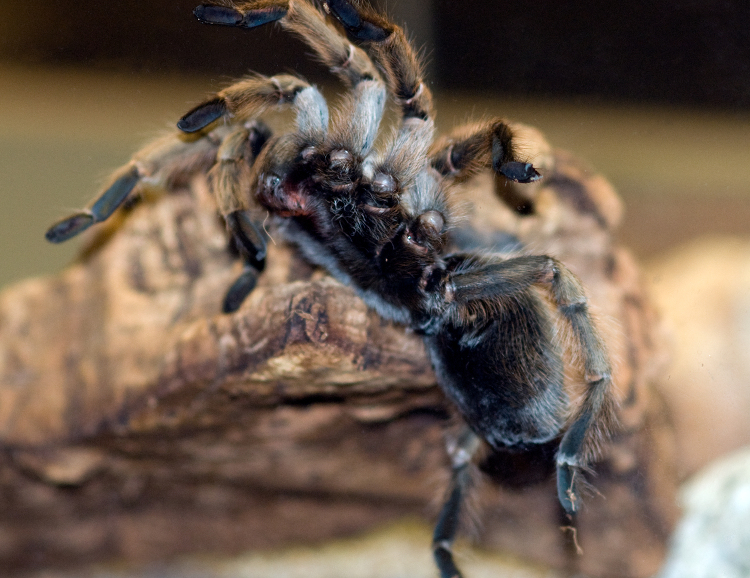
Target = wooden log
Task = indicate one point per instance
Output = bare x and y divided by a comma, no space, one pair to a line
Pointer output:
139,423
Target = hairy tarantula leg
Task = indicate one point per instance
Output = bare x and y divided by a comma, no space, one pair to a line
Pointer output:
388,45
356,123
472,148
461,451
243,100
230,176
161,163
230,181
252,245
596,415
404,158
345,60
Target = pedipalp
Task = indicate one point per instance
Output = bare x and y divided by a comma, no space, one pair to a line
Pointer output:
469,149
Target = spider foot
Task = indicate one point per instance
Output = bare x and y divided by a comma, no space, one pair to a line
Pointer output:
519,172
69,227
229,16
240,289
251,244
567,488
364,27
104,206
569,462
505,158
202,115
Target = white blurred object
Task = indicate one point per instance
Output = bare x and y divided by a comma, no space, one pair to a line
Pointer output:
713,538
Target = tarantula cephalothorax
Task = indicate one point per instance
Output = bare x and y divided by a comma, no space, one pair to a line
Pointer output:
378,220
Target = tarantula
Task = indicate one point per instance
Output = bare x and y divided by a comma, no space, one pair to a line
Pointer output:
379,220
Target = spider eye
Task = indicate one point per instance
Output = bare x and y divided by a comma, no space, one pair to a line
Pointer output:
271,181
412,241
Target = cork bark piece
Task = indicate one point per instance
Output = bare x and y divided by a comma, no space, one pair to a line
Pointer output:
140,423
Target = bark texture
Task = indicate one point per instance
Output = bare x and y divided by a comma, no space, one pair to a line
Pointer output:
139,423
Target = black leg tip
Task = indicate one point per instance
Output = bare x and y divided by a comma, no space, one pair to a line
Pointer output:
256,18
239,290
69,227
520,172
202,115
228,16
225,15
115,195
344,12
444,561
355,25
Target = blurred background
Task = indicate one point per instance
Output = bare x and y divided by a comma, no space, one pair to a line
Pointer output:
654,94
